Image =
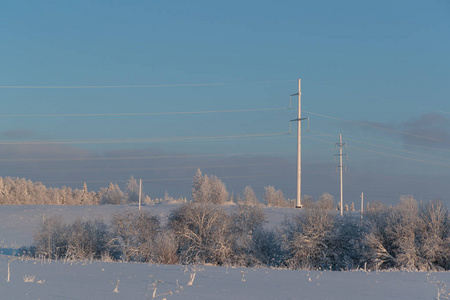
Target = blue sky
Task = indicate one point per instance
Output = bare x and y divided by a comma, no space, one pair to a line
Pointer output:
381,63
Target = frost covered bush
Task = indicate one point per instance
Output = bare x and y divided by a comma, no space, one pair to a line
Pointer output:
51,240
203,233
268,249
435,248
165,248
247,219
306,239
79,240
408,236
87,239
345,244
135,232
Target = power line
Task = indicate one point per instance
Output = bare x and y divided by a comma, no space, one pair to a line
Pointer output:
378,127
402,157
395,155
385,141
168,179
388,148
135,86
145,140
143,114
147,169
138,157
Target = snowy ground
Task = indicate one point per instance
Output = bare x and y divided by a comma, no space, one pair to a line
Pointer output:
98,280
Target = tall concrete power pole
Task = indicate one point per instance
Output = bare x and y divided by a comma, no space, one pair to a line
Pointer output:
298,203
341,167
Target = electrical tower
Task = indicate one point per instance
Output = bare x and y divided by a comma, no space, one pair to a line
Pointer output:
298,203
341,167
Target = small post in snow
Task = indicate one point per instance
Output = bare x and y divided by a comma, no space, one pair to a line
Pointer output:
140,193
362,205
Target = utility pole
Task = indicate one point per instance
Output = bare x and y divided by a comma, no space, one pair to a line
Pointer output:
298,203
341,167
140,193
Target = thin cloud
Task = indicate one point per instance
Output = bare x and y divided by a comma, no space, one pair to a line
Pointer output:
432,125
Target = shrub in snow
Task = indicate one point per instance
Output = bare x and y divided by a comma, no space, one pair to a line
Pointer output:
135,233
203,232
267,248
345,245
306,239
246,220
165,248
50,240
408,236
87,239
79,240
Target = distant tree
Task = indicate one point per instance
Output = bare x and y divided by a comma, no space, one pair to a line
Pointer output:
219,192
274,197
308,202
21,191
250,197
208,189
352,206
112,195
132,190
201,188
326,201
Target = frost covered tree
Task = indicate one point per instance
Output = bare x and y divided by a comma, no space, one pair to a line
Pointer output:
326,201
200,187
20,191
132,190
352,206
274,197
112,195
203,232
208,189
250,198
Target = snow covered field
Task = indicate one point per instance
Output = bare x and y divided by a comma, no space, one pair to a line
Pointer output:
98,280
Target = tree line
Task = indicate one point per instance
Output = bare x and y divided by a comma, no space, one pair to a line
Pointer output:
20,191
206,189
